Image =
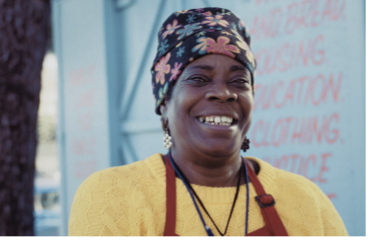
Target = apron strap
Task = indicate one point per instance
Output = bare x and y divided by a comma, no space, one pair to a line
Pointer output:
266,202
170,223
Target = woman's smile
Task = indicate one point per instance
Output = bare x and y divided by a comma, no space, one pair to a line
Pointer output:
221,126
222,120
217,122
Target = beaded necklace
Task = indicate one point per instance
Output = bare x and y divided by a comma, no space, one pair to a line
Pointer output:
192,193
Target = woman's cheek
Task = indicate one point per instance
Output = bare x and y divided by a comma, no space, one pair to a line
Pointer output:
247,100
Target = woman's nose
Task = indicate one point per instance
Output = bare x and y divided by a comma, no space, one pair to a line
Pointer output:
220,92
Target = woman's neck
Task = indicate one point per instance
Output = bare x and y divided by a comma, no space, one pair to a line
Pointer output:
207,170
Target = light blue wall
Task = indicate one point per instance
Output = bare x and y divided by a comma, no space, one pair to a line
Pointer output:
309,98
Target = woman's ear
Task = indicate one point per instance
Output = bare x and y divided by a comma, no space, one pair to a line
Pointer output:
163,109
164,116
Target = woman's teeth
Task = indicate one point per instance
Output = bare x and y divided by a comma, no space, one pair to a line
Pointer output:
216,120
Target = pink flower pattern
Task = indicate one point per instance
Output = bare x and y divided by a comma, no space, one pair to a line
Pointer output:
242,44
249,54
171,28
214,21
162,68
208,13
175,71
221,46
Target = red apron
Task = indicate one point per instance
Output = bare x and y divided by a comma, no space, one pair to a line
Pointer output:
273,224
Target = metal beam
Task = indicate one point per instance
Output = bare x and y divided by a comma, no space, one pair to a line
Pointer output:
126,102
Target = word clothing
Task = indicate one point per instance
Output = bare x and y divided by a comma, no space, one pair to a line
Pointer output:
130,200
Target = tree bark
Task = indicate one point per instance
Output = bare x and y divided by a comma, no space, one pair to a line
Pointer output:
24,32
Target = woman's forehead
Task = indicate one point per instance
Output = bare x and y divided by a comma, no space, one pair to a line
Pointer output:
213,62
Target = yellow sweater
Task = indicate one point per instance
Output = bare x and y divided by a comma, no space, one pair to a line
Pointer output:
130,201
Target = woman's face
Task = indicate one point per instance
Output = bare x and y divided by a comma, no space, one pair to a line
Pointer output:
210,108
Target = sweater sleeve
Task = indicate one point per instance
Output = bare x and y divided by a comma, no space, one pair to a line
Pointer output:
332,222
93,211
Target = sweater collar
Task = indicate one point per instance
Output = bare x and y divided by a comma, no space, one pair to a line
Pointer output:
266,175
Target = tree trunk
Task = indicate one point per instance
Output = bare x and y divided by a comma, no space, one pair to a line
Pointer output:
24,32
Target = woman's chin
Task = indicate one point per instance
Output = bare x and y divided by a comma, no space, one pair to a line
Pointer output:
218,149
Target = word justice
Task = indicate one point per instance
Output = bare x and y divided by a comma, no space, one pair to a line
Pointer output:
312,166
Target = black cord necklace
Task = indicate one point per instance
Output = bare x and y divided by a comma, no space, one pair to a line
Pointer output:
202,205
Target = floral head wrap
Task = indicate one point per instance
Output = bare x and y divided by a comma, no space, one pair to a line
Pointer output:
191,34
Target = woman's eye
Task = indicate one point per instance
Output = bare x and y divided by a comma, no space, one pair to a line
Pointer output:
198,79
241,81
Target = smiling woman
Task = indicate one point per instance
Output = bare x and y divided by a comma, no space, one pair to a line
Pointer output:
209,114
203,84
